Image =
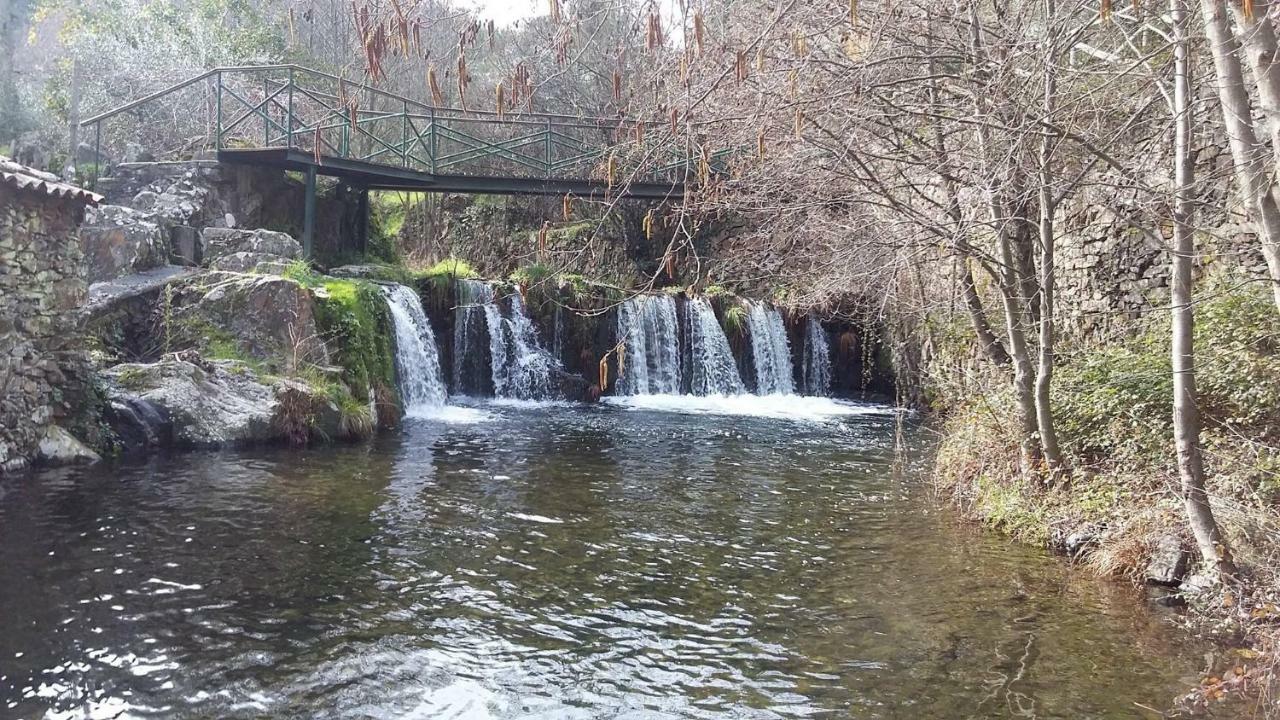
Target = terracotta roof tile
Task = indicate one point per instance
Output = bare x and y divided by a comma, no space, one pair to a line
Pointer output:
32,180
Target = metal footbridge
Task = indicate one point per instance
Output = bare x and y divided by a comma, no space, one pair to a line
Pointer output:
316,123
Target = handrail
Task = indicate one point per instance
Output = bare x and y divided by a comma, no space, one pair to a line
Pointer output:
516,115
153,96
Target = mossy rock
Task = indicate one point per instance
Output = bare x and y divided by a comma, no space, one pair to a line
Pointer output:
352,317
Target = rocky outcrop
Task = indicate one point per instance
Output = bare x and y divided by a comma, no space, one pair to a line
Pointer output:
265,317
206,194
188,402
121,241
246,262
218,243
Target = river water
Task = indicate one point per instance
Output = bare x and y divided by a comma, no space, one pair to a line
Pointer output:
647,559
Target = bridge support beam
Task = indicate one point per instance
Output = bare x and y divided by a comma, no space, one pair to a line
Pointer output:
309,214
362,220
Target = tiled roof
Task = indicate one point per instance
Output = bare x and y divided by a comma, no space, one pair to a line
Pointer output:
32,180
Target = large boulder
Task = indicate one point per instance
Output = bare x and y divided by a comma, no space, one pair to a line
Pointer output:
268,318
59,447
203,405
189,402
219,241
121,241
246,262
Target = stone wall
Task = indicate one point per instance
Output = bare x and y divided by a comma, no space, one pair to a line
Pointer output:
207,194
44,371
1110,272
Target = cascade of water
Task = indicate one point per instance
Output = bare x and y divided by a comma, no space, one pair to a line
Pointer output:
817,359
417,359
521,367
770,350
470,322
647,325
712,368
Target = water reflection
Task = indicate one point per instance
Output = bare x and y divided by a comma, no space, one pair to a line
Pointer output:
611,562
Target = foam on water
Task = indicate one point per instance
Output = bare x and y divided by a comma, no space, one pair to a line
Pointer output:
449,414
783,407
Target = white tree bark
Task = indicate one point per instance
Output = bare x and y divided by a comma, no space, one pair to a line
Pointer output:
1186,415
1257,41
1044,370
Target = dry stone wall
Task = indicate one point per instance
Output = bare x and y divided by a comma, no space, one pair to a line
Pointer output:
44,371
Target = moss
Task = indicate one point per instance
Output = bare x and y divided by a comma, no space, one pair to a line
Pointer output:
352,317
531,274
450,268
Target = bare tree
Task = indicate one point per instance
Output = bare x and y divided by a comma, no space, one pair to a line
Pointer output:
1186,415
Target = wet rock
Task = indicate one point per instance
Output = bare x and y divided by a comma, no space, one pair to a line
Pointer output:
190,402
1168,562
574,387
1079,542
59,447
139,425
219,404
218,242
120,241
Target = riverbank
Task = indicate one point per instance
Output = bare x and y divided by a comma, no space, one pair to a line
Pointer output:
1118,511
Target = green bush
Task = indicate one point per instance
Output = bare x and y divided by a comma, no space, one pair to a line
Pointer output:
1117,401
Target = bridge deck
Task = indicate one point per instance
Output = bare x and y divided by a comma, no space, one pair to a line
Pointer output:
379,176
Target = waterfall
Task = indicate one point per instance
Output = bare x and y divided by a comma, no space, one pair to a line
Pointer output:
770,350
712,368
817,359
497,352
417,360
521,367
648,327
471,363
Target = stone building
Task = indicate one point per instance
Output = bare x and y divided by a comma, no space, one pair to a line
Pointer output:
44,370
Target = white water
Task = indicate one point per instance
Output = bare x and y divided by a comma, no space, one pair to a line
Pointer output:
474,300
817,359
647,325
521,367
770,350
806,409
712,367
422,389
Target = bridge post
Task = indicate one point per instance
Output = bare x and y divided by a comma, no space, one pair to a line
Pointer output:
433,140
289,119
309,213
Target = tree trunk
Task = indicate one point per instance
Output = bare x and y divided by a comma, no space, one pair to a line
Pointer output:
1044,370
1011,281
1186,416
1257,38
991,345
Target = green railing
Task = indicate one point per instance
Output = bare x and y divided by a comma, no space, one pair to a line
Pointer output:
329,117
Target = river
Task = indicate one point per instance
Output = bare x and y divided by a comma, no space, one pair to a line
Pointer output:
645,559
